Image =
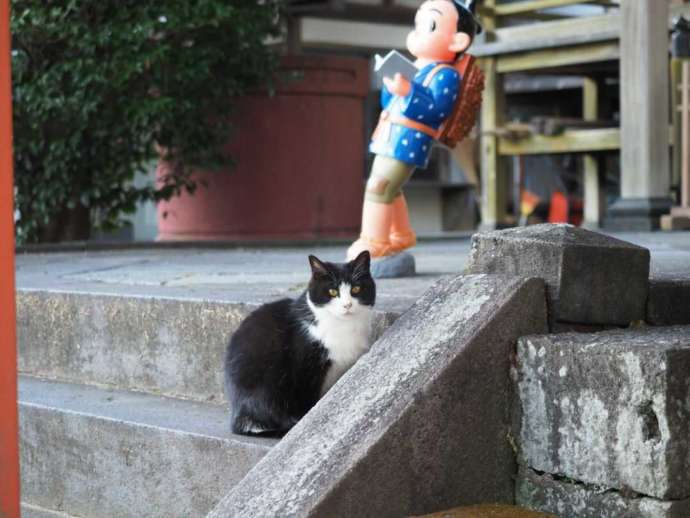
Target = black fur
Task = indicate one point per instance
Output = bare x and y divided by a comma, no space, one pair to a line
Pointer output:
274,370
467,21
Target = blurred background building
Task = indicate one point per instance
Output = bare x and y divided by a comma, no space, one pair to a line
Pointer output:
549,144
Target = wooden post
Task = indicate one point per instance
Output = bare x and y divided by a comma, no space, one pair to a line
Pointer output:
590,109
294,35
493,186
645,174
685,132
679,219
9,450
676,160
494,195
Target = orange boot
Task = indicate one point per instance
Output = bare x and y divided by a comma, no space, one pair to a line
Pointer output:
402,236
376,226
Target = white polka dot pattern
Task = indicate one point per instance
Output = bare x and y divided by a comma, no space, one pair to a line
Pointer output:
429,105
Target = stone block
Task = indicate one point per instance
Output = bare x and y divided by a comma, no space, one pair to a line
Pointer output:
402,264
421,422
669,301
592,278
488,511
86,451
569,499
610,408
162,345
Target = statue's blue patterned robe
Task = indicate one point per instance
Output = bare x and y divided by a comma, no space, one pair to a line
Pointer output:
427,105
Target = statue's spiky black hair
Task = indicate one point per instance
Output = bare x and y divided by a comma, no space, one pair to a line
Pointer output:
467,21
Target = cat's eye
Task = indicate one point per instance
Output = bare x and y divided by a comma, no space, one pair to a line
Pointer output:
333,292
355,290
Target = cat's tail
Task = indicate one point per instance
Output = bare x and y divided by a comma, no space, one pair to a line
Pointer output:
251,416
247,426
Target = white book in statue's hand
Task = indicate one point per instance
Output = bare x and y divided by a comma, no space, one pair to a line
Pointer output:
394,63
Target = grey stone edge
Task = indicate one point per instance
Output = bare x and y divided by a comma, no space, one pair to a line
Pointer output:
568,498
167,346
422,422
97,453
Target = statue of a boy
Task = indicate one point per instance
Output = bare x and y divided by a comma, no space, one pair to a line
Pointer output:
413,112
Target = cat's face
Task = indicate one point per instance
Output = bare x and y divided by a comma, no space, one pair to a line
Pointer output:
344,290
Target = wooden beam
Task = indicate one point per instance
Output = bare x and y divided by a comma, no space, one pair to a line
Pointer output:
9,446
558,57
571,141
573,31
393,14
538,5
329,34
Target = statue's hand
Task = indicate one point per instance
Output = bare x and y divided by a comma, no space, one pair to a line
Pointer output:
398,85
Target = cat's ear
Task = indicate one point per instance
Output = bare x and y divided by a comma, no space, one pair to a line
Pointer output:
317,267
361,262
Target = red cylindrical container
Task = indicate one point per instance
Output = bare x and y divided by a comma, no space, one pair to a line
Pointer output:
300,158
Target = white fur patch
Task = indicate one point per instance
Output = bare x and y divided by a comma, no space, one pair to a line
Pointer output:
343,326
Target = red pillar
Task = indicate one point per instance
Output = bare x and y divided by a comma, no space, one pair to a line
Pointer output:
9,449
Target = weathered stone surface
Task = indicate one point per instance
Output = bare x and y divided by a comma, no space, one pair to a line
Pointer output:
93,452
669,302
591,278
567,327
569,499
609,408
488,511
159,345
421,422
32,511
398,265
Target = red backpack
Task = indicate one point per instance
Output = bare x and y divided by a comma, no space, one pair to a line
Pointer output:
464,115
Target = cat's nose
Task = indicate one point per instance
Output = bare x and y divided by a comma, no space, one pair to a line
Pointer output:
347,305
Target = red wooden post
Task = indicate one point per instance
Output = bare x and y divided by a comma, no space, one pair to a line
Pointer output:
9,448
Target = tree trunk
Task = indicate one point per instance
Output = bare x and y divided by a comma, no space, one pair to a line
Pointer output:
68,225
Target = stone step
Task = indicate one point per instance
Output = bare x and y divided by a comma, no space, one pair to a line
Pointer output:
168,346
34,511
609,409
88,451
569,498
488,511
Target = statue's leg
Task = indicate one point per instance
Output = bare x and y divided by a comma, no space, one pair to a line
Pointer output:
387,177
402,235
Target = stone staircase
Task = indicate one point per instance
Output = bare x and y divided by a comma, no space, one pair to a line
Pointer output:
476,394
102,452
121,405
603,420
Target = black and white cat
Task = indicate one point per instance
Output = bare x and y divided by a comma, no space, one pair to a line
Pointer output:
288,353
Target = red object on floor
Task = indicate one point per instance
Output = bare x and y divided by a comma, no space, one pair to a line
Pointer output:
300,170
558,210
9,448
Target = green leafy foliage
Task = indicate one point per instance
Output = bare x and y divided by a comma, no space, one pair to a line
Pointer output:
97,85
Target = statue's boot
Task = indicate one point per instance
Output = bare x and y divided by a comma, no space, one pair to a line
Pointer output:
401,236
376,227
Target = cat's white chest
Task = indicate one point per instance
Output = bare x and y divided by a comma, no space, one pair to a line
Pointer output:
344,339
